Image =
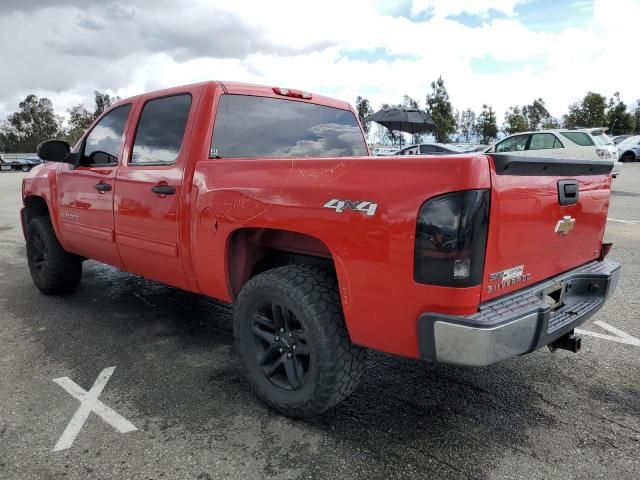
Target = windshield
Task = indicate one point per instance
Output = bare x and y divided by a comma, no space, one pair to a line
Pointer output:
252,127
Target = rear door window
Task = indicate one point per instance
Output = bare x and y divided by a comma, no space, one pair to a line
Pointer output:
544,141
513,144
263,127
428,149
161,130
579,138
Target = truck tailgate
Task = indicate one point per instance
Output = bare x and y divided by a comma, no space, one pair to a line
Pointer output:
531,235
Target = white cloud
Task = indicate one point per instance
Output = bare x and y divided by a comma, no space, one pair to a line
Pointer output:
443,8
301,45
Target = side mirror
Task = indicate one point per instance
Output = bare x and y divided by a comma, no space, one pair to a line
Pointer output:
54,150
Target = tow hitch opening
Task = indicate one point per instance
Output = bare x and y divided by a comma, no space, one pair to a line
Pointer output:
554,295
569,341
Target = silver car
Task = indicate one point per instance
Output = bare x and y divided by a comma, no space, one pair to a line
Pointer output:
629,149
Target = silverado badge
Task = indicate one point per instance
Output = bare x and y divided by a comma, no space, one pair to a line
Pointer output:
565,225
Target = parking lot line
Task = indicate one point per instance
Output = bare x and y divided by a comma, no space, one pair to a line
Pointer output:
618,335
630,222
89,403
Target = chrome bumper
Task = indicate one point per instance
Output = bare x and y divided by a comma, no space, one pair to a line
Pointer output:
520,322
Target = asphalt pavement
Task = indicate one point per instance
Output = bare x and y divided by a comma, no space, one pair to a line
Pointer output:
177,382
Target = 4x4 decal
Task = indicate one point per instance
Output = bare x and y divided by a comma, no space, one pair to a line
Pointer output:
366,207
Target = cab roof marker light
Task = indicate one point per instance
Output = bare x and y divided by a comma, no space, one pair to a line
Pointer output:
290,92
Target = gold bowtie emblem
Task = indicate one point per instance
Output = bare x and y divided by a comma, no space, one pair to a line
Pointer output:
565,225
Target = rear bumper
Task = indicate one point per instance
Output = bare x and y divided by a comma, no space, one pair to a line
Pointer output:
517,323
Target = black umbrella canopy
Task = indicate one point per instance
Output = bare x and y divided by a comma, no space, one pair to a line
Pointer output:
408,120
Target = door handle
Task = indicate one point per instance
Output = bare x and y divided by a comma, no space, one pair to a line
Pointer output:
163,189
102,187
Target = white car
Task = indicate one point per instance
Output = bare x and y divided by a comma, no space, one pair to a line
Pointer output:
384,151
584,143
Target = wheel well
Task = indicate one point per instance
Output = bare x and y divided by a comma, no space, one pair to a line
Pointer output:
254,250
630,152
36,207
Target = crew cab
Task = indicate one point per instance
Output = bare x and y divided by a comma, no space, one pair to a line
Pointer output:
268,198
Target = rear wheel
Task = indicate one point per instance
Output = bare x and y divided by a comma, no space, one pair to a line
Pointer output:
628,157
52,269
290,334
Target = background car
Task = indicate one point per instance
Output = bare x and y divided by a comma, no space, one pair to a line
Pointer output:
630,149
20,164
619,139
384,151
585,143
433,149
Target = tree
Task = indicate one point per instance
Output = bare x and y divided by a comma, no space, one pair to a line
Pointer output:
364,110
409,102
33,123
536,114
466,122
441,111
80,118
589,112
487,126
514,121
619,120
636,118
550,122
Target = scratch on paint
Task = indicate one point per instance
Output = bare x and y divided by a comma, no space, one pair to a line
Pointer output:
345,290
335,172
240,203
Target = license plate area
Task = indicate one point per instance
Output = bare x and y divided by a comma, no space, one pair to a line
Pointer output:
554,295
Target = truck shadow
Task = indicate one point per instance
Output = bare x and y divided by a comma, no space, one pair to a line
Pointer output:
176,368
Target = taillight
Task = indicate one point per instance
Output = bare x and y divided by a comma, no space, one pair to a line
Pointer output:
451,236
603,153
290,92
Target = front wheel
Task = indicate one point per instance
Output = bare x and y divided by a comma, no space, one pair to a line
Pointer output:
628,157
26,168
52,269
290,334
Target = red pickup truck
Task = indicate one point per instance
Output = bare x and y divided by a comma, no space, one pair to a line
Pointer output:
268,198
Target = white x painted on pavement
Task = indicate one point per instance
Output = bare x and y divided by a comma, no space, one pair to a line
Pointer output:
89,403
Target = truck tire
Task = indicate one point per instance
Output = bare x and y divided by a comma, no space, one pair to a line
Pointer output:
291,337
52,268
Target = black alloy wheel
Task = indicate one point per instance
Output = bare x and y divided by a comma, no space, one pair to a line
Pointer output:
280,346
292,340
52,269
39,255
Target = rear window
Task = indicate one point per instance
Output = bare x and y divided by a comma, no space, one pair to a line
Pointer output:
601,139
579,138
248,127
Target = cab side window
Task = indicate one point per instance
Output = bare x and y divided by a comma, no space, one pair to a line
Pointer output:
513,144
103,144
428,149
160,130
544,141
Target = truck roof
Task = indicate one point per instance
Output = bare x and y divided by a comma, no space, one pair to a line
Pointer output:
239,88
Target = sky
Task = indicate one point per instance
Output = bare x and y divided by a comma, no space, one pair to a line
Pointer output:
498,52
